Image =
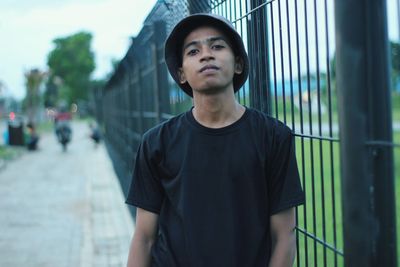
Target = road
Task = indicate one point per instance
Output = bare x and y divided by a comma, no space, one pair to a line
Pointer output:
63,209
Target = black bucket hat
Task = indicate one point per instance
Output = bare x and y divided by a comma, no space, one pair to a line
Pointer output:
174,42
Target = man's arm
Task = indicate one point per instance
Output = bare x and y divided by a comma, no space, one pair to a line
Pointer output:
283,238
143,238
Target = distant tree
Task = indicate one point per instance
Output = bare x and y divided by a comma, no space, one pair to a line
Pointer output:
72,60
50,94
54,89
33,80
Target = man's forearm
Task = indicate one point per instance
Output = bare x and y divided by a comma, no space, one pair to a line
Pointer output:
283,251
139,253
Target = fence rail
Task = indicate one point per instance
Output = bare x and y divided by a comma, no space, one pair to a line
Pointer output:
291,47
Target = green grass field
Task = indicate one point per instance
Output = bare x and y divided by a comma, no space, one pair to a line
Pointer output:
321,216
321,213
10,152
396,106
319,167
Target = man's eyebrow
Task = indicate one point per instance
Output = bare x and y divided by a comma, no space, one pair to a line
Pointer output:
208,40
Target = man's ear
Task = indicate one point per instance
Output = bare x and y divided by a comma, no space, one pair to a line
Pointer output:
181,75
238,65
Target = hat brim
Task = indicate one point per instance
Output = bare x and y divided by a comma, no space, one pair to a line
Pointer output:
173,46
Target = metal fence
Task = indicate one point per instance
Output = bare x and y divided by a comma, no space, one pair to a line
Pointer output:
291,48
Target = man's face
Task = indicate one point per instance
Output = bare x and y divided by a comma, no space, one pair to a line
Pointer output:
208,62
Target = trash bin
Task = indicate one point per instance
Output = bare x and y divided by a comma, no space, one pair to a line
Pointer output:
16,133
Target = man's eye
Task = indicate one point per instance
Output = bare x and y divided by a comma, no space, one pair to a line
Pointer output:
217,46
192,52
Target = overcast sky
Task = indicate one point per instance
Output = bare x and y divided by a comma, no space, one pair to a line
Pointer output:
27,28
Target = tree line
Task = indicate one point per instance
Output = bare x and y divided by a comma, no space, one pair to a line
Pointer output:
72,61
67,78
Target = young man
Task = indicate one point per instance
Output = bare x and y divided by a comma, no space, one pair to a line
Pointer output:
215,186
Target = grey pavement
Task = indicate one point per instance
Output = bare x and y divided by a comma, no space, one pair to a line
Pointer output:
63,209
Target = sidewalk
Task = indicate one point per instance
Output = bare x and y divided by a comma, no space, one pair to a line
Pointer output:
63,209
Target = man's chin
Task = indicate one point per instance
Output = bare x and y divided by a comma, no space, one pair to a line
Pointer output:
212,90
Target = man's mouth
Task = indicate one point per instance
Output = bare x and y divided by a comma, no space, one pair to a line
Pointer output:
208,67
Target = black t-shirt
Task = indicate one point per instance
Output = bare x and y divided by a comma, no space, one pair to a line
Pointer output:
215,189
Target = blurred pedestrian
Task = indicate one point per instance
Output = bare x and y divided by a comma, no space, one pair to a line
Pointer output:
216,185
94,133
32,137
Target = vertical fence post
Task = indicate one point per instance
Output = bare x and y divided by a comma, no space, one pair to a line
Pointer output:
137,69
366,133
259,76
161,76
156,82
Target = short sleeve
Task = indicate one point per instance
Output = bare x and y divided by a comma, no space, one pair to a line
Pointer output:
284,185
146,190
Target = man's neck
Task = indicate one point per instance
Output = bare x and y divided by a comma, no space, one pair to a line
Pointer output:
217,110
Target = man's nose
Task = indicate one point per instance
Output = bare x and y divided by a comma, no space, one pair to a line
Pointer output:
206,53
